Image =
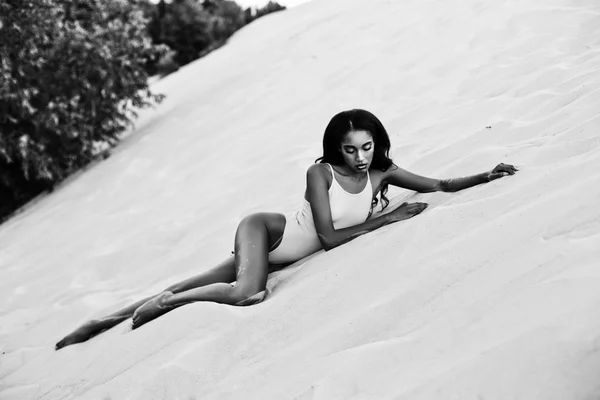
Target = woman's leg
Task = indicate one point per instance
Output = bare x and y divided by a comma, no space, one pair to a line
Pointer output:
255,235
224,272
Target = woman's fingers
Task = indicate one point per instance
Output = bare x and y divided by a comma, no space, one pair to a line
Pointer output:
502,170
417,208
422,206
409,207
407,210
508,168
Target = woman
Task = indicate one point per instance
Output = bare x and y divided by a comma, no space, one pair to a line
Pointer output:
341,193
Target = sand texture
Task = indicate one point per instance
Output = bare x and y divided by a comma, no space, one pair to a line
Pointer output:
491,293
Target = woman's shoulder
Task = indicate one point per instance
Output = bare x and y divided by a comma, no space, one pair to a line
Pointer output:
318,172
379,178
319,169
383,175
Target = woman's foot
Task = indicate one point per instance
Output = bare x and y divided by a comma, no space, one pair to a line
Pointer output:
83,333
152,309
257,298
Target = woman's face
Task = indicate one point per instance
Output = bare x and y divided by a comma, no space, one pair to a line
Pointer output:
357,149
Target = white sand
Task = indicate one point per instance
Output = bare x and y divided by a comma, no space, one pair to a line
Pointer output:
492,293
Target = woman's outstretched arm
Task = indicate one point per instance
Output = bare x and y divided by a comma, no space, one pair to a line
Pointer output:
397,176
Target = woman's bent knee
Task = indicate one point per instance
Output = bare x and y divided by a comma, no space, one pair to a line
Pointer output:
255,219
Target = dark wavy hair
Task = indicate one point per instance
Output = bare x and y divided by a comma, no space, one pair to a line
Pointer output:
358,120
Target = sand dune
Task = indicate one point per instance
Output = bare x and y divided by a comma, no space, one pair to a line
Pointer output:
491,293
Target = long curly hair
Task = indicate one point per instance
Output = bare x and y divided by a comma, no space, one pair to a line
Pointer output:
358,120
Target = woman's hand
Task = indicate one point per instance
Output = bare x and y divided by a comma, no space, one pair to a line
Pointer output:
406,211
500,171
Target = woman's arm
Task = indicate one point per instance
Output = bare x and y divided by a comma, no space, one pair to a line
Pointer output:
317,190
397,176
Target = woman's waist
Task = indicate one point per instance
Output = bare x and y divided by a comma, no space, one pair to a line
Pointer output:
342,217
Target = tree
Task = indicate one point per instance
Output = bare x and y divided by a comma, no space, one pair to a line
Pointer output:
269,8
71,75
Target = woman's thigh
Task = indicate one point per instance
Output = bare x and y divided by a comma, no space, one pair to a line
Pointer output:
255,236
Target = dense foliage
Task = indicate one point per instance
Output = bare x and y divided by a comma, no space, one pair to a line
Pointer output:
71,72
192,28
269,8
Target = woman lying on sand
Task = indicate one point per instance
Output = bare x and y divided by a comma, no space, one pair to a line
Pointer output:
341,193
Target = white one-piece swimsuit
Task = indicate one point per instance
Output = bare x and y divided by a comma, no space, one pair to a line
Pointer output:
300,235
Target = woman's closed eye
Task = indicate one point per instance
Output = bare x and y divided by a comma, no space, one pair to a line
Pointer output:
352,149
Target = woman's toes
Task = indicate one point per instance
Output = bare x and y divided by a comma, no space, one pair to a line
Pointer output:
134,321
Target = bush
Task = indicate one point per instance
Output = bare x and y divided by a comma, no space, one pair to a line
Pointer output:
166,65
192,28
71,74
228,17
269,8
